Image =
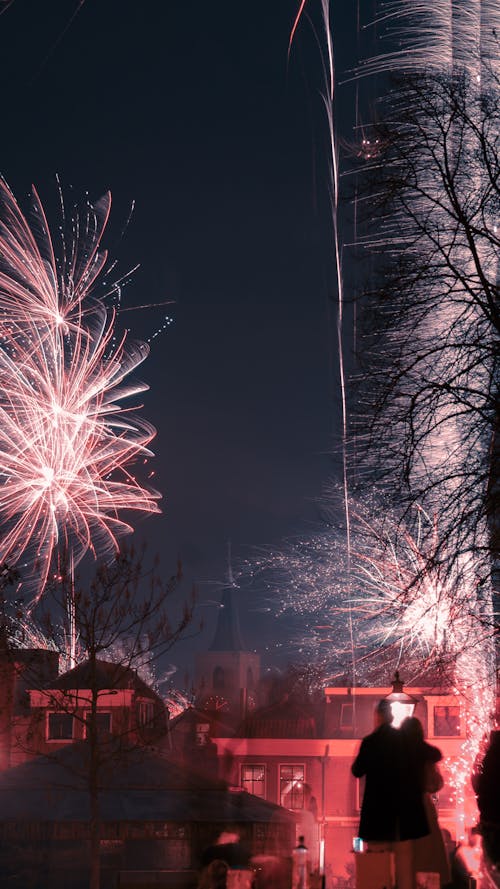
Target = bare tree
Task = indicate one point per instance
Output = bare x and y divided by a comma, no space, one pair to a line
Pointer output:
433,322
122,617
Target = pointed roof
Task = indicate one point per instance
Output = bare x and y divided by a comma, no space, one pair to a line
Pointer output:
107,675
144,784
227,632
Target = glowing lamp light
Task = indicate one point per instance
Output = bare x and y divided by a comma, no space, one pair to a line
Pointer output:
402,705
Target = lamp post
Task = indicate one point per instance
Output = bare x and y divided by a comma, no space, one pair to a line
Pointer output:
402,705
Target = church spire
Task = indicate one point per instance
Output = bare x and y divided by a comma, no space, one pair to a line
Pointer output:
227,632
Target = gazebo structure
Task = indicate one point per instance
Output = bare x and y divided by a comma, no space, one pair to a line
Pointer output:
155,815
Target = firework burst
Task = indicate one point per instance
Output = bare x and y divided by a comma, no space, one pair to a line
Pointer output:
407,605
424,591
66,442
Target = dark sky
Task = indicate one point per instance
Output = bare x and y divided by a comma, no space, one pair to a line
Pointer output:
188,108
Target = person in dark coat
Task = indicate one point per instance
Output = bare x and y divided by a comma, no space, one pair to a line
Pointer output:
487,786
392,812
429,852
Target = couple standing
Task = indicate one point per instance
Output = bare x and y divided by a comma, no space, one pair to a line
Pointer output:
397,813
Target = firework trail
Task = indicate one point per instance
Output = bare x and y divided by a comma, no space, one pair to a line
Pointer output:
413,594
436,34
66,443
458,42
333,172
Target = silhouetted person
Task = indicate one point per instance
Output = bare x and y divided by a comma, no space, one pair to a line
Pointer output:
487,787
429,852
300,871
392,812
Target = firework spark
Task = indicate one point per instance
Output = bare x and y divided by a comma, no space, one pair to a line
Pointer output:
407,605
458,41
414,592
435,34
66,443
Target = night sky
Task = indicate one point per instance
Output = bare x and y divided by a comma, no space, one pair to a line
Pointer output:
190,110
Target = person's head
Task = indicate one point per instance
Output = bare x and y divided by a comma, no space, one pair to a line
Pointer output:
301,840
383,713
412,729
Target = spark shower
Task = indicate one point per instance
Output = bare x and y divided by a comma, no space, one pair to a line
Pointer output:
447,38
67,443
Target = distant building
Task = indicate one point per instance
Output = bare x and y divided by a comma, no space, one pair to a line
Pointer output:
292,751
161,802
126,707
227,675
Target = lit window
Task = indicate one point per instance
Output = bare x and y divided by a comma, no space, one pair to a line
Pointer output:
253,779
60,727
292,786
102,723
447,722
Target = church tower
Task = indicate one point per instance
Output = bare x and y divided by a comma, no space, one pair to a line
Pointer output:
226,675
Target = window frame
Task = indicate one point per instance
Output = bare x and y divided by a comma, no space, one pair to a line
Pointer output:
254,765
437,701
447,707
98,714
292,765
60,714
149,706
346,726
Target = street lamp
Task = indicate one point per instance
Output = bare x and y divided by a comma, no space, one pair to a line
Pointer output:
402,705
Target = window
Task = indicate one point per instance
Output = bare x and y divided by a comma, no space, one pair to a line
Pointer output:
145,712
59,727
202,730
447,722
253,779
218,678
102,723
292,786
346,712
